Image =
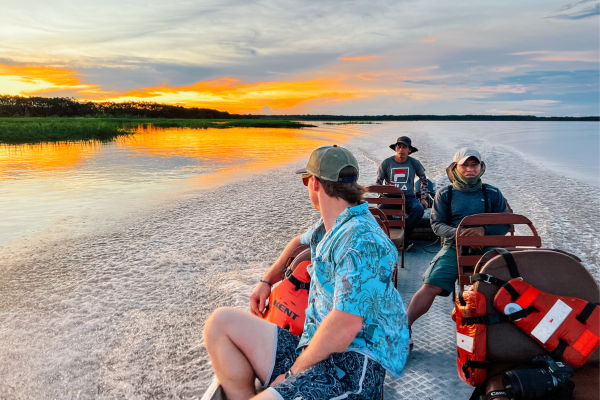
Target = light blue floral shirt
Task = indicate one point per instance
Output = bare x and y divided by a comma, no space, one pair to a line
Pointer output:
351,271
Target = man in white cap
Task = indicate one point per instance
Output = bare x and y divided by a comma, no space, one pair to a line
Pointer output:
355,328
466,196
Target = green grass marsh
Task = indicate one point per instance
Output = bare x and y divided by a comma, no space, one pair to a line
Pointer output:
52,129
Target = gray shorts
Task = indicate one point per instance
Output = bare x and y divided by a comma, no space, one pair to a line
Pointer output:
348,375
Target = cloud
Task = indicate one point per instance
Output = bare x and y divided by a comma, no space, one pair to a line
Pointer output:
425,40
30,80
359,58
495,89
579,10
544,55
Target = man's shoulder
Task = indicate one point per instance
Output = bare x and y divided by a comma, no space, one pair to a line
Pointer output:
443,191
414,161
364,232
493,190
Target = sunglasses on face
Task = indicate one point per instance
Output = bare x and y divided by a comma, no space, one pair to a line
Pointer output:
305,178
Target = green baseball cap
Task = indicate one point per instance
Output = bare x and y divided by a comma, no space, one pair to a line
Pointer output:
326,163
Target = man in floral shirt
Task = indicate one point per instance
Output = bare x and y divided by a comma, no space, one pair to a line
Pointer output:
356,325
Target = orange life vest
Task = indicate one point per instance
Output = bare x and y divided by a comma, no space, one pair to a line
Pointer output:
288,301
471,340
567,326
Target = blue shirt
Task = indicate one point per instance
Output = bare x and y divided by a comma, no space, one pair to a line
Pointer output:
351,271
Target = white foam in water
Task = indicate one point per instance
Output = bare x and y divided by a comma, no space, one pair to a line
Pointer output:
119,313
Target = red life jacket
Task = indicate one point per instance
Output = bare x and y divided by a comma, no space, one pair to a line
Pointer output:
288,301
567,326
471,340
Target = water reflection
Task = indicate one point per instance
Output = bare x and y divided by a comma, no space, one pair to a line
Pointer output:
45,183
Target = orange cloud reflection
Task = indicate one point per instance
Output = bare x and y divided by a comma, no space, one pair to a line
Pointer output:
214,155
23,160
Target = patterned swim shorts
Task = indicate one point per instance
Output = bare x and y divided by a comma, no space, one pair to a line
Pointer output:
348,375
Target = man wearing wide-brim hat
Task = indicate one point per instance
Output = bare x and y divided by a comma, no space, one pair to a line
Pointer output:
400,170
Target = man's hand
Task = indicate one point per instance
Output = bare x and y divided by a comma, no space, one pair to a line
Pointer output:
258,298
280,378
424,204
477,231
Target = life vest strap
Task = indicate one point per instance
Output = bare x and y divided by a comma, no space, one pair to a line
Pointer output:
473,364
514,295
489,279
586,312
491,319
298,283
557,354
510,262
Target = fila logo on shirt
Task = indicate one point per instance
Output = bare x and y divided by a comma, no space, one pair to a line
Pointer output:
400,176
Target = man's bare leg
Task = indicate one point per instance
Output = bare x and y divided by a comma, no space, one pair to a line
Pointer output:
421,302
240,347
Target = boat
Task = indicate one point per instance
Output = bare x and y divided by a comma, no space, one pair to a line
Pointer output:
431,369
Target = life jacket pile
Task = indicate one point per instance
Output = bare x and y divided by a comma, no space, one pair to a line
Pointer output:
288,300
567,327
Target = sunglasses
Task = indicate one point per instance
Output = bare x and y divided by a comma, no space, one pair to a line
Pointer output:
305,178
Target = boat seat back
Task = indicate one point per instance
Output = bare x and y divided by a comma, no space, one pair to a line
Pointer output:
304,255
547,270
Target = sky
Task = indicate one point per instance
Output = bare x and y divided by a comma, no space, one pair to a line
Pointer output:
376,57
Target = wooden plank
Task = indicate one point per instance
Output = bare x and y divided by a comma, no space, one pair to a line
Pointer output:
384,189
388,211
468,261
464,280
384,200
495,219
499,241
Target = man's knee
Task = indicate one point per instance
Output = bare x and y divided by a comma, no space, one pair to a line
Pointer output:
431,290
217,324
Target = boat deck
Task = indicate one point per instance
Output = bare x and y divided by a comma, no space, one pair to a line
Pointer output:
430,372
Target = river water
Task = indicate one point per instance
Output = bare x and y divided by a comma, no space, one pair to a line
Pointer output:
115,254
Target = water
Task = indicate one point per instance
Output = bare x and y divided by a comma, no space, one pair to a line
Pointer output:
79,184
105,293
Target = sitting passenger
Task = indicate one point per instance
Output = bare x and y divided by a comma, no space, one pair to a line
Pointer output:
468,196
400,171
355,327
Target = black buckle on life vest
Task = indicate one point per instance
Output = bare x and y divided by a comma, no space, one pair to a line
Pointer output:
299,284
485,278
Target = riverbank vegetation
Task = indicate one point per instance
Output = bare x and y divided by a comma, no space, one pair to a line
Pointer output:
37,130
351,123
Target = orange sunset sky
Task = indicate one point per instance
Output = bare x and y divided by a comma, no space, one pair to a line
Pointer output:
366,58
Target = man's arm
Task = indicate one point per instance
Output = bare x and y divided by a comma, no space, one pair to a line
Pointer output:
438,217
380,174
423,189
262,290
334,335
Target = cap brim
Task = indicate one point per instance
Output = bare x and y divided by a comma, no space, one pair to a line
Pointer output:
462,160
302,171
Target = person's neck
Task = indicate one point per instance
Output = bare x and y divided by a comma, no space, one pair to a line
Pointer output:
331,208
399,160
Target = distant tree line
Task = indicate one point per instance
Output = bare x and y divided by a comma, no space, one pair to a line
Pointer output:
18,106
312,117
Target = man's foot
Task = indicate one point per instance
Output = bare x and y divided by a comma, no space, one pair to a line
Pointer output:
408,246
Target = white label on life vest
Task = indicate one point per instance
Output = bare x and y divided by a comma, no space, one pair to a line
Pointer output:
551,321
464,342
